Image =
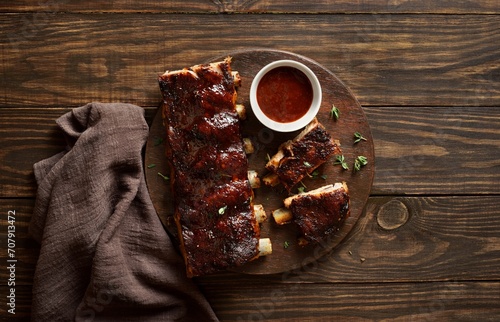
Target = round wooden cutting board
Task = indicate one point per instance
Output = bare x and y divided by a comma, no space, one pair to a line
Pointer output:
287,254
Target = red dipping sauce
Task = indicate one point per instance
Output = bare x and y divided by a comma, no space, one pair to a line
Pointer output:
284,94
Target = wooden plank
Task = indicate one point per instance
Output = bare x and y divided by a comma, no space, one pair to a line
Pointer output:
26,136
256,6
444,301
22,309
387,60
436,150
19,247
397,239
431,150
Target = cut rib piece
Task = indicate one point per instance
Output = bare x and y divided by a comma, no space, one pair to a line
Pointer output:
320,212
213,198
301,156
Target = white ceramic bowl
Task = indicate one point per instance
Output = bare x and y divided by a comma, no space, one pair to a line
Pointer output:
302,121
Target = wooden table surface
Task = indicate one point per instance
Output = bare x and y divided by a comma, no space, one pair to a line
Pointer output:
427,74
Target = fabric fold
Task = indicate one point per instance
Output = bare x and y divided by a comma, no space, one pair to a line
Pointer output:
104,254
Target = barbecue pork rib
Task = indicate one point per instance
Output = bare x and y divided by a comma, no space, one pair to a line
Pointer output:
301,156
213,199
321,212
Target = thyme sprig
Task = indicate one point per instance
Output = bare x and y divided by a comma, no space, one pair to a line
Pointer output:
358,137
341,160
359,162
163,176
302,187
334,113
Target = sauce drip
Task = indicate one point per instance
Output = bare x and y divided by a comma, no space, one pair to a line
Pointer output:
284,94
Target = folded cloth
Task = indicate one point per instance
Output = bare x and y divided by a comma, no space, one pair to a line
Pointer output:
104,254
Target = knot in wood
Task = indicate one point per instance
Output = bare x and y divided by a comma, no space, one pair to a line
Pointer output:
392,215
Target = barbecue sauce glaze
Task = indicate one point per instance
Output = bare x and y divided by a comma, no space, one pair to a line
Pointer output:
213,198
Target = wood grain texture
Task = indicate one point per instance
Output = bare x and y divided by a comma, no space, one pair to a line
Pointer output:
26,249
387,60
444,301
436,150
431,150
257,6
23,304
444,238
26,136
426,72
448,301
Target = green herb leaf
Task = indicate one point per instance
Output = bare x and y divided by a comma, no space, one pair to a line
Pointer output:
313,175
363,160
359,162
324,176
357,165
286,244
158,141
152,165
222,210
307,164
163,176
341,160
334,113
358,137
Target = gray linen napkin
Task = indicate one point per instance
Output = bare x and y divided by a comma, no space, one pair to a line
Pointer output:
104,253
